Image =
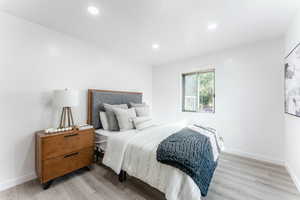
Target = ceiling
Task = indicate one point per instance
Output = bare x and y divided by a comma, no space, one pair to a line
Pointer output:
130,27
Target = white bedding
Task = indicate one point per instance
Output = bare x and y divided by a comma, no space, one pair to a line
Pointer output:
102,132
135,152
103,135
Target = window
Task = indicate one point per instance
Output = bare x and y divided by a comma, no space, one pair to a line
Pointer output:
198,92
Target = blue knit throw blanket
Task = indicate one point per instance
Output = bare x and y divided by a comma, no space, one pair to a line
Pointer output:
191,152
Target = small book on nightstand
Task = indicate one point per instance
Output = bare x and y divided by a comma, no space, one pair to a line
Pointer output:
85,126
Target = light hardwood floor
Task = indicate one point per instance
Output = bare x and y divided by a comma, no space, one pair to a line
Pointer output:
236,178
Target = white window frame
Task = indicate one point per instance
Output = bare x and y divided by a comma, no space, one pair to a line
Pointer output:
183,91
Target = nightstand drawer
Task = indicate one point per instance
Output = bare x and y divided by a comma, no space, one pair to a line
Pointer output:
62,144
55,167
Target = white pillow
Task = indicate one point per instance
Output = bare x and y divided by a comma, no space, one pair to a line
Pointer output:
142,122
124,117
137,104
111,117
143,111
103,119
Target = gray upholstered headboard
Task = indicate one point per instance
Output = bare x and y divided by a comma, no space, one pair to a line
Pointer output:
96,98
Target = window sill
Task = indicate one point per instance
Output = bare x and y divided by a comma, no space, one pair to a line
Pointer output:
201,112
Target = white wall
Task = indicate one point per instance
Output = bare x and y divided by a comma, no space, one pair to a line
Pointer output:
249,97
35,60
292,123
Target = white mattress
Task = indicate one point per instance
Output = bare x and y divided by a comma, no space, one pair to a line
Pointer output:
103,135
135,152
107,133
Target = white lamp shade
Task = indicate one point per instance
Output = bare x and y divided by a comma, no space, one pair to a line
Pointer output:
66,98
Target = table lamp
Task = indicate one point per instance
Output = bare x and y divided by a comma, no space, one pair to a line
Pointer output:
66,99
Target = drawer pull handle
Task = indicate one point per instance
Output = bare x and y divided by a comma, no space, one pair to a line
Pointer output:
71,135
72,154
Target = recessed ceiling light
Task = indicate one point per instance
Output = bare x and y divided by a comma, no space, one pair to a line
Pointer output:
155,46
212,26
93,10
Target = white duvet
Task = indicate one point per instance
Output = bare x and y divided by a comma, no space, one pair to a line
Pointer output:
135,152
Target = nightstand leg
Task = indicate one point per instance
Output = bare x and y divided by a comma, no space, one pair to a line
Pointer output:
97,154
47,185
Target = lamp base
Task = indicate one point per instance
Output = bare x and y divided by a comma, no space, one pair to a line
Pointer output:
66,119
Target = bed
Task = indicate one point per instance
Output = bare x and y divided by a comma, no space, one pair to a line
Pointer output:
134,151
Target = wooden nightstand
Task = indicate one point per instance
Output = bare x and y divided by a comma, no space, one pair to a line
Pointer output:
60,153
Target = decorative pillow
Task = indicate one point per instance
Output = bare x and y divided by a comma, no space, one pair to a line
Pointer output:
111,117
142,111
124,117
137,104
103,119
142,122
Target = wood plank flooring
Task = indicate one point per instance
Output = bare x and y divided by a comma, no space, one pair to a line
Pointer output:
236,178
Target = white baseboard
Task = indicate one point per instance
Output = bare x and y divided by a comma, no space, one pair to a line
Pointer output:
293,175
254,156
16,181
